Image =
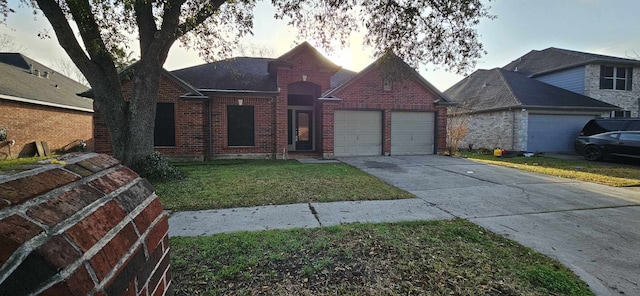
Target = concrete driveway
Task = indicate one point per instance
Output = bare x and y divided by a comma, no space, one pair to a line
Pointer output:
592,229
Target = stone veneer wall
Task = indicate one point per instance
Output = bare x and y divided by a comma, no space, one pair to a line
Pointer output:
494,130
81,225
628,100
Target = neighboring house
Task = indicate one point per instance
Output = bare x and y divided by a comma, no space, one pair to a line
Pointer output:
511,111
609,79
299,103
540,101
39,104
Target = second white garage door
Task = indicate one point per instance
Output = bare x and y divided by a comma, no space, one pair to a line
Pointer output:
412,133
357,133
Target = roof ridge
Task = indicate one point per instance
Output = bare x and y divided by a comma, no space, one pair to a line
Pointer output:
506,83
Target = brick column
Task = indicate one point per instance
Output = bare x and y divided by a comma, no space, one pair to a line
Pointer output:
82,224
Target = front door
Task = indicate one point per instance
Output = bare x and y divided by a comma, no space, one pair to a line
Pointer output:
303,134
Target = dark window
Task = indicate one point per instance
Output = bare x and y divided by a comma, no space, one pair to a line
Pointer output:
164,133
621,114
630,137
618,78
240,130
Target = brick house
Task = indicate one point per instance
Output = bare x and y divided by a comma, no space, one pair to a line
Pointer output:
299,103
609,79
540,101
39,104
511,111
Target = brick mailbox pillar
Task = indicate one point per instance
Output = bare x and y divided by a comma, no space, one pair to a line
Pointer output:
81,224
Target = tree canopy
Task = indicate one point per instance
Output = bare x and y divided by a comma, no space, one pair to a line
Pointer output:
418,31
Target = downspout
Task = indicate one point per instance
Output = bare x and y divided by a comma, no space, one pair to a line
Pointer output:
210,129
513,130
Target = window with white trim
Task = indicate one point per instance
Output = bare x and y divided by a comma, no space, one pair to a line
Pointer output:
618,78
619,114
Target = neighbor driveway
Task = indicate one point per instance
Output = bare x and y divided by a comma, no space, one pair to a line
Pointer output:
592,229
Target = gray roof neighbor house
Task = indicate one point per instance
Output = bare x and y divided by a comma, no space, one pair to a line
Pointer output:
25,80
540,62
537,103
495,89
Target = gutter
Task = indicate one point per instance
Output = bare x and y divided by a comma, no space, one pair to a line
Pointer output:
240,91
43,103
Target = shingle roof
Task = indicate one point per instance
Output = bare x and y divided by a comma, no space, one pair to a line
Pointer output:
353,77
552,59
16,82
242,73
497,89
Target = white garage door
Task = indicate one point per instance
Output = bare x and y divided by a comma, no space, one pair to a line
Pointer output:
412,133
554,133
357,133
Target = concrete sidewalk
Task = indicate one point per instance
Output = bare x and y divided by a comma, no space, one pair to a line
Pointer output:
301,216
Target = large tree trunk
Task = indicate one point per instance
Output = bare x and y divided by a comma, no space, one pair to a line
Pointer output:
131,120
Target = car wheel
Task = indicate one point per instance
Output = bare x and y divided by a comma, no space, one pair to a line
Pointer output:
592,152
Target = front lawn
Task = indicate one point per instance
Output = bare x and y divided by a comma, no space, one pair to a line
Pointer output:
612,174
242,183
452,257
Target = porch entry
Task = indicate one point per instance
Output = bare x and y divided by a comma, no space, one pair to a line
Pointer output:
300,128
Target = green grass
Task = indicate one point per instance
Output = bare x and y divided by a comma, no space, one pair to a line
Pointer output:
10,164
243,183
452,257
612,174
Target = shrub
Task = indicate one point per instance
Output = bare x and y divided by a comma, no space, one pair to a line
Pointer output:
155,168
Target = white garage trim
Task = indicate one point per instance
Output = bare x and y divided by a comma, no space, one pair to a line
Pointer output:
554,133
357,133
412,133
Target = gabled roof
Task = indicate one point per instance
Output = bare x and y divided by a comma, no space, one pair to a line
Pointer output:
19,82
283,60
243,73
538,62
496,89
252,75
191,92
353,77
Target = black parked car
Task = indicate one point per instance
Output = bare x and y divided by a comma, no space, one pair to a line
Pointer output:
622,143
603,125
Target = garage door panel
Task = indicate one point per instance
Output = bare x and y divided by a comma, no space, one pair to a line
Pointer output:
357,133
554,133
412,133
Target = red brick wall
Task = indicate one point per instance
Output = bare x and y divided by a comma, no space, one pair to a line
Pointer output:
367,93
65,231
264,126
305,63
26,123
190,117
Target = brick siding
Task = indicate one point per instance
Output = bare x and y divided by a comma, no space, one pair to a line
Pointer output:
628,100
190,118
26,123
264,127
492,130
87,226
367,93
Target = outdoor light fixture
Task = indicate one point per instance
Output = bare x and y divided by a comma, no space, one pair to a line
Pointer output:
239,102
304,77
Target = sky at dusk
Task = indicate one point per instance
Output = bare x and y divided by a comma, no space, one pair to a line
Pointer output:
604,27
